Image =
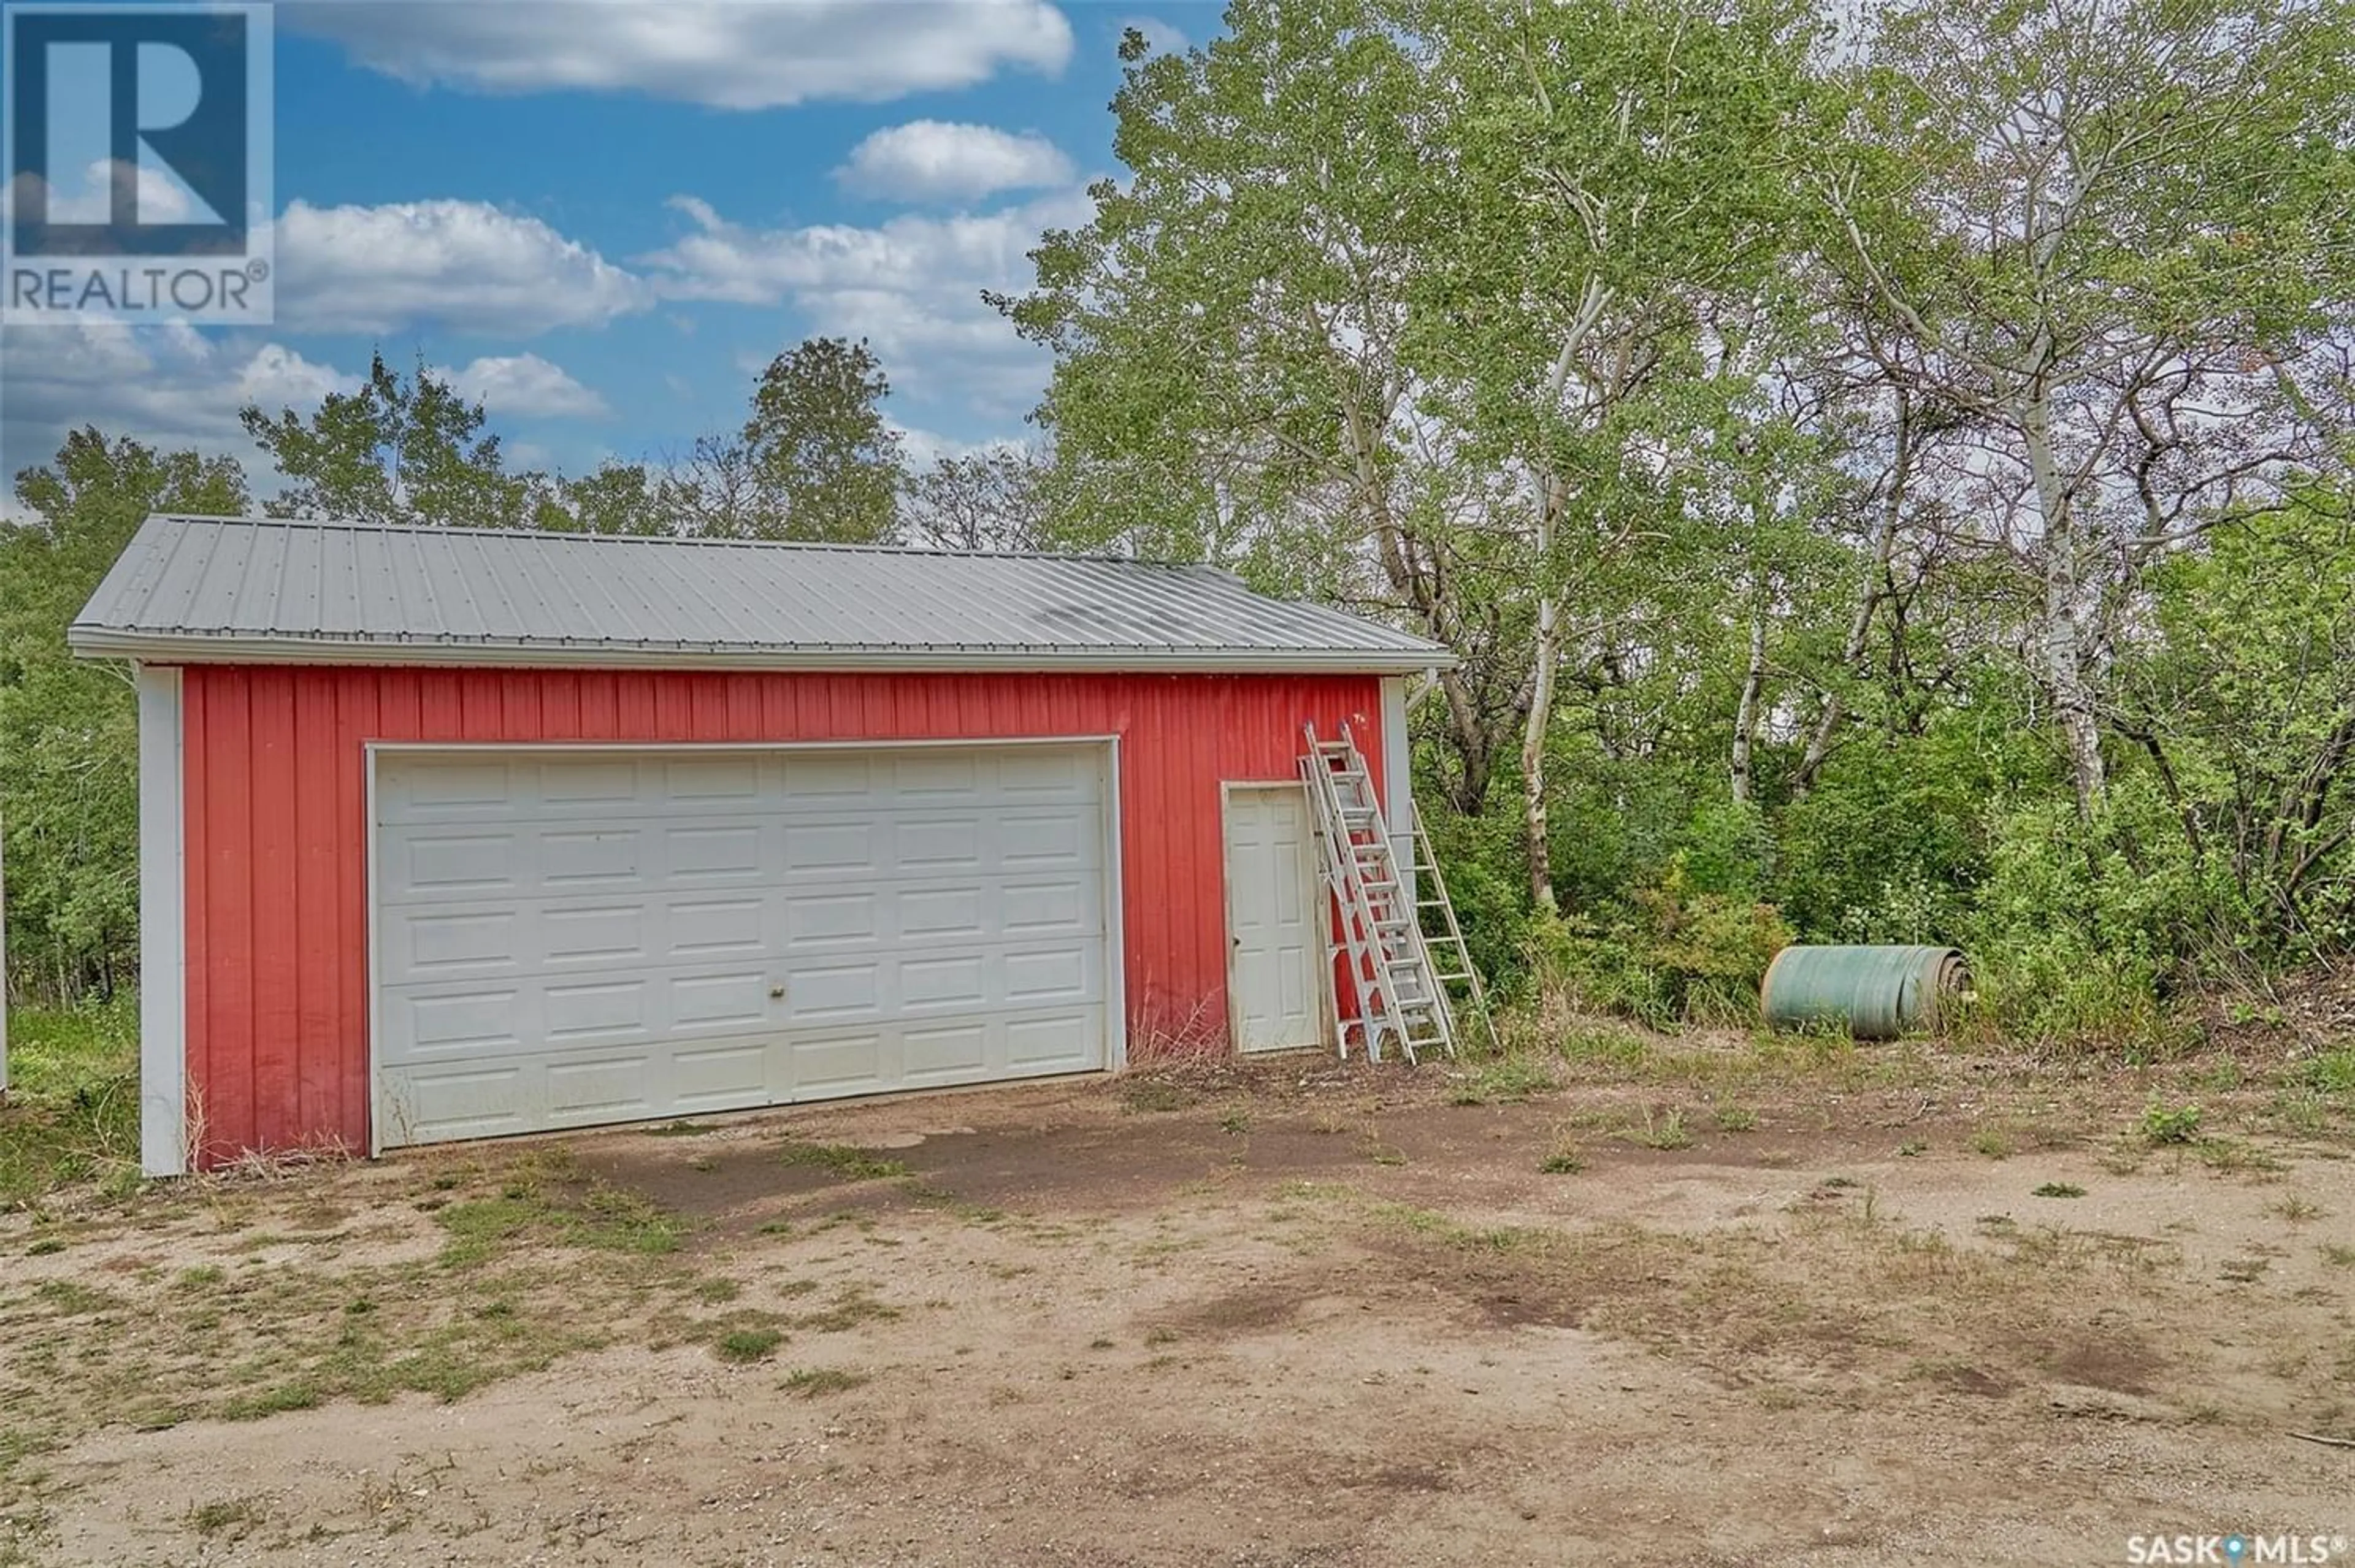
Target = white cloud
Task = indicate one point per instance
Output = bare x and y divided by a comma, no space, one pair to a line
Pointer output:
928,160
1164,38
912,286
171,385
728,54
465,265
925,447
525,385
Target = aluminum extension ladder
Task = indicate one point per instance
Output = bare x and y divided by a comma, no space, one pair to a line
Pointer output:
1434,908
1399,992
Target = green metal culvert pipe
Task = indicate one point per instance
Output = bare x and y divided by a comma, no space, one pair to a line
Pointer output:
1877,993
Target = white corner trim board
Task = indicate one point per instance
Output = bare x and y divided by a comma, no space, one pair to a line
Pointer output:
162,939
1398,777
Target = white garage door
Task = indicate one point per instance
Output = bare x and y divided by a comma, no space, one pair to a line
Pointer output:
566,938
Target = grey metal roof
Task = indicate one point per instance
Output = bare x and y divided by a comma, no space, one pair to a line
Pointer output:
278,590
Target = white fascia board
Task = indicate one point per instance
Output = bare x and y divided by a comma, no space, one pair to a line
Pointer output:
174,649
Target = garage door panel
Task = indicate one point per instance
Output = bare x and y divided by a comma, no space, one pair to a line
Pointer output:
924,847
940,913
456,944
574,858
603,934
1052,974
586,1090
703,928
1038,775
735,1002
442,864
470,1102
831,993
601,1010
1032,840
577,938
830,920
1068,1041
927,777
472,1022
829,1066
955,1053
735,778
952,981
827,849
582,785
1059,905
721,1077
819,778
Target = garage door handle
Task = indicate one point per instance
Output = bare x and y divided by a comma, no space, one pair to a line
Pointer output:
776,993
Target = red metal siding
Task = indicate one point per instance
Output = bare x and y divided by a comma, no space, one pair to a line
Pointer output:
277,830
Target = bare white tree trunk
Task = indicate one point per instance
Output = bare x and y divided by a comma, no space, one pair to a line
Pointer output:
2061,638
1753,687
1535,828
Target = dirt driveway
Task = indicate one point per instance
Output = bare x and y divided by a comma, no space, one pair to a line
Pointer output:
1288,1316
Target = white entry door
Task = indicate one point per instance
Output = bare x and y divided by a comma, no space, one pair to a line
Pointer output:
1275,985
567,938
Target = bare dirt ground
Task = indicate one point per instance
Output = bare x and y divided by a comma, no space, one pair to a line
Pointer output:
1285,1314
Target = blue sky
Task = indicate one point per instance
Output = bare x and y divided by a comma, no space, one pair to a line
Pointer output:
603,217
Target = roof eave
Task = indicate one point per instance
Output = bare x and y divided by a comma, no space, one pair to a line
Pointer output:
181,648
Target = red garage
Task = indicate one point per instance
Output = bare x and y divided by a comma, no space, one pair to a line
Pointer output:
453,833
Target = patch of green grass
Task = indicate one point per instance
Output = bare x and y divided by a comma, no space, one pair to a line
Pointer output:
681,1130
1605,1045
810,1383
2231,1155
1913,1148
1734,1119
239,1514
2331,1071
1562,1159
2059,1190
853,1304
2336,1254
71,1299
46,1246
1150,1095
1234,1124
1505,1082
2297,1210
1994,1145
1661,1132
299,1394
717,1292
73,1099
2163,1123
543,1209
845,1162
744,1346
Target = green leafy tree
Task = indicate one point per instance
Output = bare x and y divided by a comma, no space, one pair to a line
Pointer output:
2114,240
990,500
823,463
396,451
68,731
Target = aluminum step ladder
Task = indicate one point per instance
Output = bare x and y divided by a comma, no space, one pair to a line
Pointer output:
1399,996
